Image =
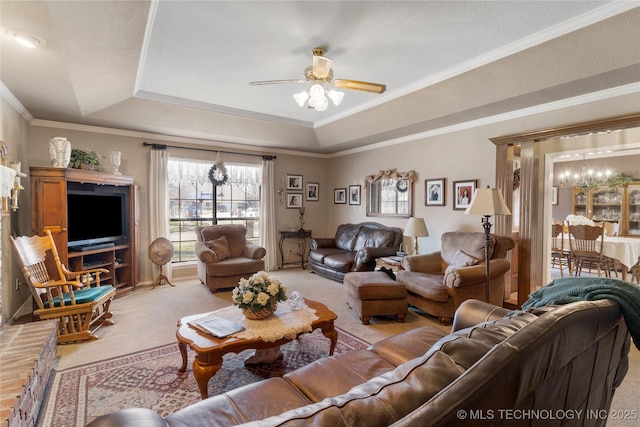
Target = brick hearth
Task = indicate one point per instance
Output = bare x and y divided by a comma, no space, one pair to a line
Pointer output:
28,354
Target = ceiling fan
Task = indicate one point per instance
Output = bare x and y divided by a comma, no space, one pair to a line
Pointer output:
321,72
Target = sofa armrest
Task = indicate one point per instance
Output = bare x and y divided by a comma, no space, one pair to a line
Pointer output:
426,263
322,242
473,311
254,251
205,254
467,276
369,255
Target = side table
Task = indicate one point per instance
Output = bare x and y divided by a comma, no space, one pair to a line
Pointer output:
390,262
302,236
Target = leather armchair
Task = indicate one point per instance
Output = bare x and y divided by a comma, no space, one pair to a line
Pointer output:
222,267
439,282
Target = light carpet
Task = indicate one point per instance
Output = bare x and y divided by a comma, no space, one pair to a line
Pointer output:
150,379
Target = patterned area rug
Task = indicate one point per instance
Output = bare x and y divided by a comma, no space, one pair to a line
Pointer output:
150,379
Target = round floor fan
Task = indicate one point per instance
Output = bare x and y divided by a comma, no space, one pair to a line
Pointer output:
160,253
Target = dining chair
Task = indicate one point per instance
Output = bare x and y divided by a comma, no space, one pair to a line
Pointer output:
586,243
76,299
560,257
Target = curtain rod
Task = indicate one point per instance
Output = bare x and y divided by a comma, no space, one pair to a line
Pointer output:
164,147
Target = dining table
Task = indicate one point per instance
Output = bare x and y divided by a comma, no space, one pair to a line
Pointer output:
624,249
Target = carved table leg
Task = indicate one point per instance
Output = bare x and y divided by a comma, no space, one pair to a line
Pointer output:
183,351
332,334
203,372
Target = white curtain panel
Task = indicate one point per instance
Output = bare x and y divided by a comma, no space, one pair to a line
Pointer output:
159,199
268,236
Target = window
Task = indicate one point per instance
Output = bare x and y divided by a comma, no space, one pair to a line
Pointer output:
192,202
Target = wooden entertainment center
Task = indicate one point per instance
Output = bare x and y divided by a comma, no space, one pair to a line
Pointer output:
49,190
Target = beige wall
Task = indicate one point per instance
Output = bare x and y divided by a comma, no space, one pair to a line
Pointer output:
453,154
135,162
14,131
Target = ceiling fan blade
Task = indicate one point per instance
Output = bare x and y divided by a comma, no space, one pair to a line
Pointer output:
321,66
275,82
358,85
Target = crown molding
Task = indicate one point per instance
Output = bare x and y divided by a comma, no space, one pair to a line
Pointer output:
538,109
152,96
241,144
8,96
596,15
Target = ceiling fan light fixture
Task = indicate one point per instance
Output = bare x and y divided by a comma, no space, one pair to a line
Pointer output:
321,66
319,104
316,91
301,98
335,96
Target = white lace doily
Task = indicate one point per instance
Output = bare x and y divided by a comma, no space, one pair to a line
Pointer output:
284,323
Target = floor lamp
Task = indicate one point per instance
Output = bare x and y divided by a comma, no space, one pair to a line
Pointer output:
487,202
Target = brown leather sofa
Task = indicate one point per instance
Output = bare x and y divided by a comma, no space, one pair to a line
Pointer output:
554,359
355,247
225,255
439,282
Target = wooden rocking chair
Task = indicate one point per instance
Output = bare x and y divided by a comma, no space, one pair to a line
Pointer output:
75,298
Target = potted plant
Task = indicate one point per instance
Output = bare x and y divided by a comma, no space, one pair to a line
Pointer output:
81,159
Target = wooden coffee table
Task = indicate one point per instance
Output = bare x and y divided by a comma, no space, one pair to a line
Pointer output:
209,349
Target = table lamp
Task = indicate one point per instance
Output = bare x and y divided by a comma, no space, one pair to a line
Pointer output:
486,202
301,210
416,228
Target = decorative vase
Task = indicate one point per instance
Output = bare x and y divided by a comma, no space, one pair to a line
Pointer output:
59,152
261,314
115,157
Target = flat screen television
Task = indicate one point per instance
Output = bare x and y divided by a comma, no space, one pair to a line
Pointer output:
95,218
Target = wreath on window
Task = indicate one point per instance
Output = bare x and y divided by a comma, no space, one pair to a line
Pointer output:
218,174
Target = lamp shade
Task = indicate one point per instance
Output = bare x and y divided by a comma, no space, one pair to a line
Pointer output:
416,228
488,201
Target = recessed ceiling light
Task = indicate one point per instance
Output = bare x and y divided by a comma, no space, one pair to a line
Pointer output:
26,39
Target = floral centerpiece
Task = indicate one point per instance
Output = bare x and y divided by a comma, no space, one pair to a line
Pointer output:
259,295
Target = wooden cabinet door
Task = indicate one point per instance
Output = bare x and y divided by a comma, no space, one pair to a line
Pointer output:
49,209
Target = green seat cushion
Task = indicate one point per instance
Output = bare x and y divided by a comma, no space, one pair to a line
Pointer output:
82,296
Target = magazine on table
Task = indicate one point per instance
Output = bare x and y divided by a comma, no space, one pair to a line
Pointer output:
217,326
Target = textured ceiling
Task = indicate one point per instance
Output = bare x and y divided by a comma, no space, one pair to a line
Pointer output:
182,67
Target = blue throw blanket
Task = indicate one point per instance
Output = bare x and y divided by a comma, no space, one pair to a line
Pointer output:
571,289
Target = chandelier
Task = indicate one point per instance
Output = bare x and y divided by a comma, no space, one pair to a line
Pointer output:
317,96
586,179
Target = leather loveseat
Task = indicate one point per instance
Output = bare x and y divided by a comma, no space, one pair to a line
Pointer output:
437,283
355,247
489,371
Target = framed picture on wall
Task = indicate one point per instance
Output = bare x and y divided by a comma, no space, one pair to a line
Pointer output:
294,200
554,196
463,193
354,194
313,191
435,194
294,182
340,196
